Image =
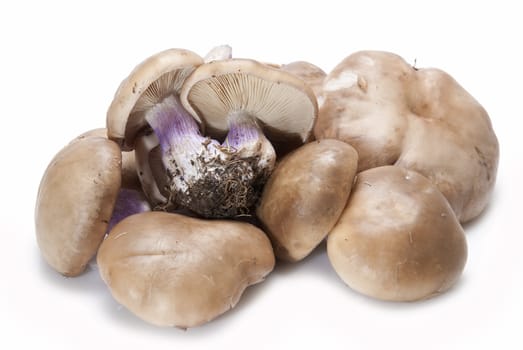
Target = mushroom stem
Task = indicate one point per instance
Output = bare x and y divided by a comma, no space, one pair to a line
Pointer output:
246,137
242,129
210,179
174,127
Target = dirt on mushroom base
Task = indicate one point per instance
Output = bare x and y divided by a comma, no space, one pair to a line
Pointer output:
226,188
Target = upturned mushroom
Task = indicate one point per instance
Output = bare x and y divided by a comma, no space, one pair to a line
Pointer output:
420,119
398,238
260,111
75,202
305,196
173,270
156,78
209,178
245,94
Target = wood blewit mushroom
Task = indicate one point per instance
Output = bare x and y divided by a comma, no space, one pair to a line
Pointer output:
209,177
260,112
173,270
75,201
398,238
212,179
417,118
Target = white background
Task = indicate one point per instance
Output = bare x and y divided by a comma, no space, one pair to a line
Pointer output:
60,64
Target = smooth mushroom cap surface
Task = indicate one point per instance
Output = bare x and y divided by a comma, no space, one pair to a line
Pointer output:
130,177
305,196
173,270
309,73
398,239
75,201
282,105
149,83
98,132
420,119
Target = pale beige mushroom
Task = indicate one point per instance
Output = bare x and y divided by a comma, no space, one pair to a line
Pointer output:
305,196
224,179
309,73
398,238
157,78
129,167
420,119
75,201
173,270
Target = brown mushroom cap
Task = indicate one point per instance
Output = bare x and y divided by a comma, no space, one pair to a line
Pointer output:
152,80
173,270
75,202
281,104
130,177
305,196
398,238
98,132
421,119
309,73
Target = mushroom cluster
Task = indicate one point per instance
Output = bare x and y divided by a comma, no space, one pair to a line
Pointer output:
210,168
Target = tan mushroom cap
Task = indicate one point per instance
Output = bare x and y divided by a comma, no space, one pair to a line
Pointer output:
152,80
305,196
421,119
75,201
398,239
98,132
173,270
309,73
130,177
282,104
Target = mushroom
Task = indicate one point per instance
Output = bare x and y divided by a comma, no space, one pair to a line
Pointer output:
75,201
398,238
420,119
157,78
305,196
153,80
129,168
130,199
309,73
243,93
173,270
212,179
248,104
